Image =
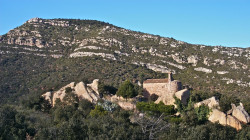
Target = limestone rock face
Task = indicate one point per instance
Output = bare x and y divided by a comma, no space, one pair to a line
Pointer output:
218,116
233,122
211,103
240,113
183,95
47,96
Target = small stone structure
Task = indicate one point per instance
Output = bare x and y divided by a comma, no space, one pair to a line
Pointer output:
163,88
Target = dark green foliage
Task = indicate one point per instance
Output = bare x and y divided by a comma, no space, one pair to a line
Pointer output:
71,98
68,90
226,101
127,90
98,111
244,133
155,109
202,113
106,89
13,125
37,103
180,106
208,131
246,106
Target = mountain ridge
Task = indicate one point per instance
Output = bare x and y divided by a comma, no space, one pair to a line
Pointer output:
214,68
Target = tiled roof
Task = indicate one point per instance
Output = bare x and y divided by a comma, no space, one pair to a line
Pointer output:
156,81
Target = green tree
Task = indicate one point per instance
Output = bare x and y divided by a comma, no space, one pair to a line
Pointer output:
98,111
202,113
127,90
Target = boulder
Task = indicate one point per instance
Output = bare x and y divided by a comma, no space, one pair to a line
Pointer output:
183,95
233,122
210,102
217,116
240,113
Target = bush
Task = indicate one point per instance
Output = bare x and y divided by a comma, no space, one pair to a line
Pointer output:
202,113
152,108
98,111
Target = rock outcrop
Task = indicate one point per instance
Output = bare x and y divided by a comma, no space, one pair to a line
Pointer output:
223,119
211,103
88,92
232,118
240,113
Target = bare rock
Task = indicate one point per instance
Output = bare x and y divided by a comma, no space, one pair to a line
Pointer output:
211,103
217,116
240,113
203,70
193,59
82,92
233,122
47,96
94,85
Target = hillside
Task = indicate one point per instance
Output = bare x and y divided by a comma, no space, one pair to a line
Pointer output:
45,54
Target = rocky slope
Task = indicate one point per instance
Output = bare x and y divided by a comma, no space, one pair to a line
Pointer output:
207,68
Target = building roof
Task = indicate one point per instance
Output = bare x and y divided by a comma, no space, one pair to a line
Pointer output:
156,81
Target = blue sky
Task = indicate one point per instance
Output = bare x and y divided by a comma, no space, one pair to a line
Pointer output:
209,22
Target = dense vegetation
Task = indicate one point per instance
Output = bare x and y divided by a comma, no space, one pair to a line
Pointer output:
80,119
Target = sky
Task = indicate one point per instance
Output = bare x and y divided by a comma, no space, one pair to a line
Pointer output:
208,22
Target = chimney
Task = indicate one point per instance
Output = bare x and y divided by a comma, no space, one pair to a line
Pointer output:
170,78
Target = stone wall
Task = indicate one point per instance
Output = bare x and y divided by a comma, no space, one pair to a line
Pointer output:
155,88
